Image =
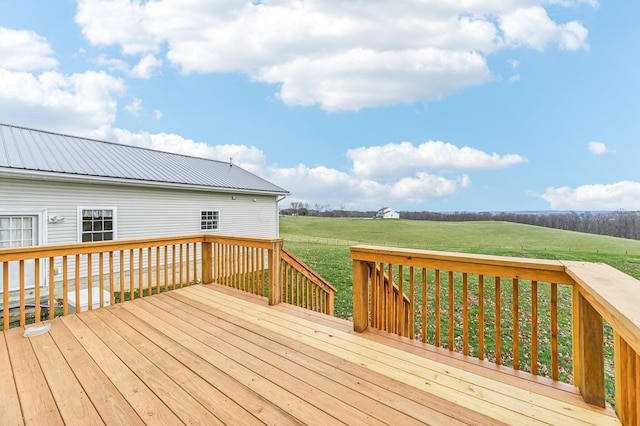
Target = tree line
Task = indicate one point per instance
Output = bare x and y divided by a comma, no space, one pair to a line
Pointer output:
619,223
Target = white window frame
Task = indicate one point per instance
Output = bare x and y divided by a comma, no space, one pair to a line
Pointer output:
200,220
115,220
42,235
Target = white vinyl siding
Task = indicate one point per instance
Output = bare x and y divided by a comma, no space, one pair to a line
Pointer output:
140,211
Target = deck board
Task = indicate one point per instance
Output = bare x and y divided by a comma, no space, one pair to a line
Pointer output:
210,355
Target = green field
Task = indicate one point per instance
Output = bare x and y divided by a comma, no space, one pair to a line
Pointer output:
324,243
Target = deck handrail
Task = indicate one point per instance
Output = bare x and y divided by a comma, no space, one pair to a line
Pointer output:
107,272
595,292
302,286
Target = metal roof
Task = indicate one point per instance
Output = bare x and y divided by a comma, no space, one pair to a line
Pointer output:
35,150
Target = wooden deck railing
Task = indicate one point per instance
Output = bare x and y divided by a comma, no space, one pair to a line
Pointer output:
511,312
302,286
88,275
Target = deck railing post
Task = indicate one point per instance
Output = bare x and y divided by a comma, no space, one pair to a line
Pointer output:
275,279
360,295
627,374
590,373
207,262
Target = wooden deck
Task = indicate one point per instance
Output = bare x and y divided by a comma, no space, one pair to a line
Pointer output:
209,355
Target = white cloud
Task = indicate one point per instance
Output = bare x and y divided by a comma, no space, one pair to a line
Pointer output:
533,28
335,54
393,160
22,50
621,195
325,185
157,114
247,157
597,148
147,67
134,107
77,103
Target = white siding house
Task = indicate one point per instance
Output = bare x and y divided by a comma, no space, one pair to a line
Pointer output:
387,213
58,189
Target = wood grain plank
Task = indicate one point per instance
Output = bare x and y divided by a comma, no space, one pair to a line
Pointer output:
270,353
291,403
305,387
73,403
219,404
30,381
177,399
109,402
374,385
149,407
11,413
257,405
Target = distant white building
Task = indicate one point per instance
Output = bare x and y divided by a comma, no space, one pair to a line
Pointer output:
387,213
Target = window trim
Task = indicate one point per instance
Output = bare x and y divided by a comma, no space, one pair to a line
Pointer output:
79,220
217,229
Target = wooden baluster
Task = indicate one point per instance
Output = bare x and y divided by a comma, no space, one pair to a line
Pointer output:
89,283
140,270
424,305
481,316
112,283
101,277
498,325
534,327
516,325
400,302
150,271
132,277
390,299
65,287
77,285
36,276
173,267
195,263
121,274
52,288
451,313
180,266
554,331
437,288
373,296
22,295
5,295
412,304
465,314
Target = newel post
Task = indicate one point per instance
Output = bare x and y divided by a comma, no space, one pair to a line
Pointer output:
207,262
360,295
588,351
275,280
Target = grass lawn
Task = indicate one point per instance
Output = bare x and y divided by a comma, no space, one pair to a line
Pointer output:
324,243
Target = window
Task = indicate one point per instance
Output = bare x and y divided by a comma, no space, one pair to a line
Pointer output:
209,220
18,231
97,224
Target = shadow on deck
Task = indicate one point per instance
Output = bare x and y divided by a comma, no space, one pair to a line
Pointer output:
207,354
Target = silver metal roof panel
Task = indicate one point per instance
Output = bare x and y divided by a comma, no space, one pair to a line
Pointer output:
28,149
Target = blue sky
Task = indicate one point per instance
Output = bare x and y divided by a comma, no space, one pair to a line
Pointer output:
492,105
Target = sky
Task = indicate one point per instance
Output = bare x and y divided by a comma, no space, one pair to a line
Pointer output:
473,105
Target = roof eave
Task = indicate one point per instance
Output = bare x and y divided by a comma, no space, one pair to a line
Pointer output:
75,178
